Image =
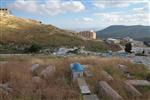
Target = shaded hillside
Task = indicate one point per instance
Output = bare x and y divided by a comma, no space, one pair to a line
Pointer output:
121,31
18,34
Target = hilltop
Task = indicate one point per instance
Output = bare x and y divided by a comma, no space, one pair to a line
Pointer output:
18,34
121,31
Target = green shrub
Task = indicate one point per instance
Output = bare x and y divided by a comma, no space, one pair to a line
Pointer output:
34,48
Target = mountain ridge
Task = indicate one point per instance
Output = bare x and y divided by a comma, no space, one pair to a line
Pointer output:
121,31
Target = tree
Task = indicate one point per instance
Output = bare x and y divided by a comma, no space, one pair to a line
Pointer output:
33,48
128,47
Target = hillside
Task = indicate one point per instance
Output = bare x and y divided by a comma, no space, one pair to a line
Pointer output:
121,31
14,29
18,34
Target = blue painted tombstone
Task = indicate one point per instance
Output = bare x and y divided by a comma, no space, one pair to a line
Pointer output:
77,70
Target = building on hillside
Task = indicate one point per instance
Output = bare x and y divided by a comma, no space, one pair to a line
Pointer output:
76,70
112,40
4,11
144,50
128,39
87,34
137,43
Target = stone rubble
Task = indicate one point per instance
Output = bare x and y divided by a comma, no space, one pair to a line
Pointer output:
5,88
48,71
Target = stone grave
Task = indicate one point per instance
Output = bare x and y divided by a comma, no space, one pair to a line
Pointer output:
90,97
107,76
48,71
106,90
138,82
131,89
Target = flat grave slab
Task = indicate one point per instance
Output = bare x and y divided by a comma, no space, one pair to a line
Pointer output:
90,97
83,86
139,82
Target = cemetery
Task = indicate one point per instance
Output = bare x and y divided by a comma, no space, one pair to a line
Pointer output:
73,78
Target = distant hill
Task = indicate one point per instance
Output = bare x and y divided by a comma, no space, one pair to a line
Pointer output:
17,34
121,31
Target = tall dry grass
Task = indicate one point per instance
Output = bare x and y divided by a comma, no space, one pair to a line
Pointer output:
59,86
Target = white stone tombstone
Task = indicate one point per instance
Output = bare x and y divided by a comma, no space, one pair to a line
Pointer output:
48,71
34,67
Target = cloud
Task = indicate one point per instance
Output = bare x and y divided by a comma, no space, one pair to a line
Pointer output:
29,6
84,20
123,18
74,6
115,3
50,7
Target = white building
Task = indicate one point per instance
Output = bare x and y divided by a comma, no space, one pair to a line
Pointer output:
112,40
141,49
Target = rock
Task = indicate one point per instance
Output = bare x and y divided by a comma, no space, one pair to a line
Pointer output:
90,97
36,79
88,73
139,82
131,89
34,67
106,75
5,88
48,71
123,68
106,90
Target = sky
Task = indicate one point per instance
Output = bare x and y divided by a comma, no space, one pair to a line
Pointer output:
82,14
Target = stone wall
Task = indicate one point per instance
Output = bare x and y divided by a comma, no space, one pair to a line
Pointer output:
4,11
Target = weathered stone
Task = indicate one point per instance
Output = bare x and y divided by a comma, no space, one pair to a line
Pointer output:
86,66
3,62
131,89
88,73
90,97
106,90
5,88
139,82
48,71
123,68
83,86
106,75
36,79
34,67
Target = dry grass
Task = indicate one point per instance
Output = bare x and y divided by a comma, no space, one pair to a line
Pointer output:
59,86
